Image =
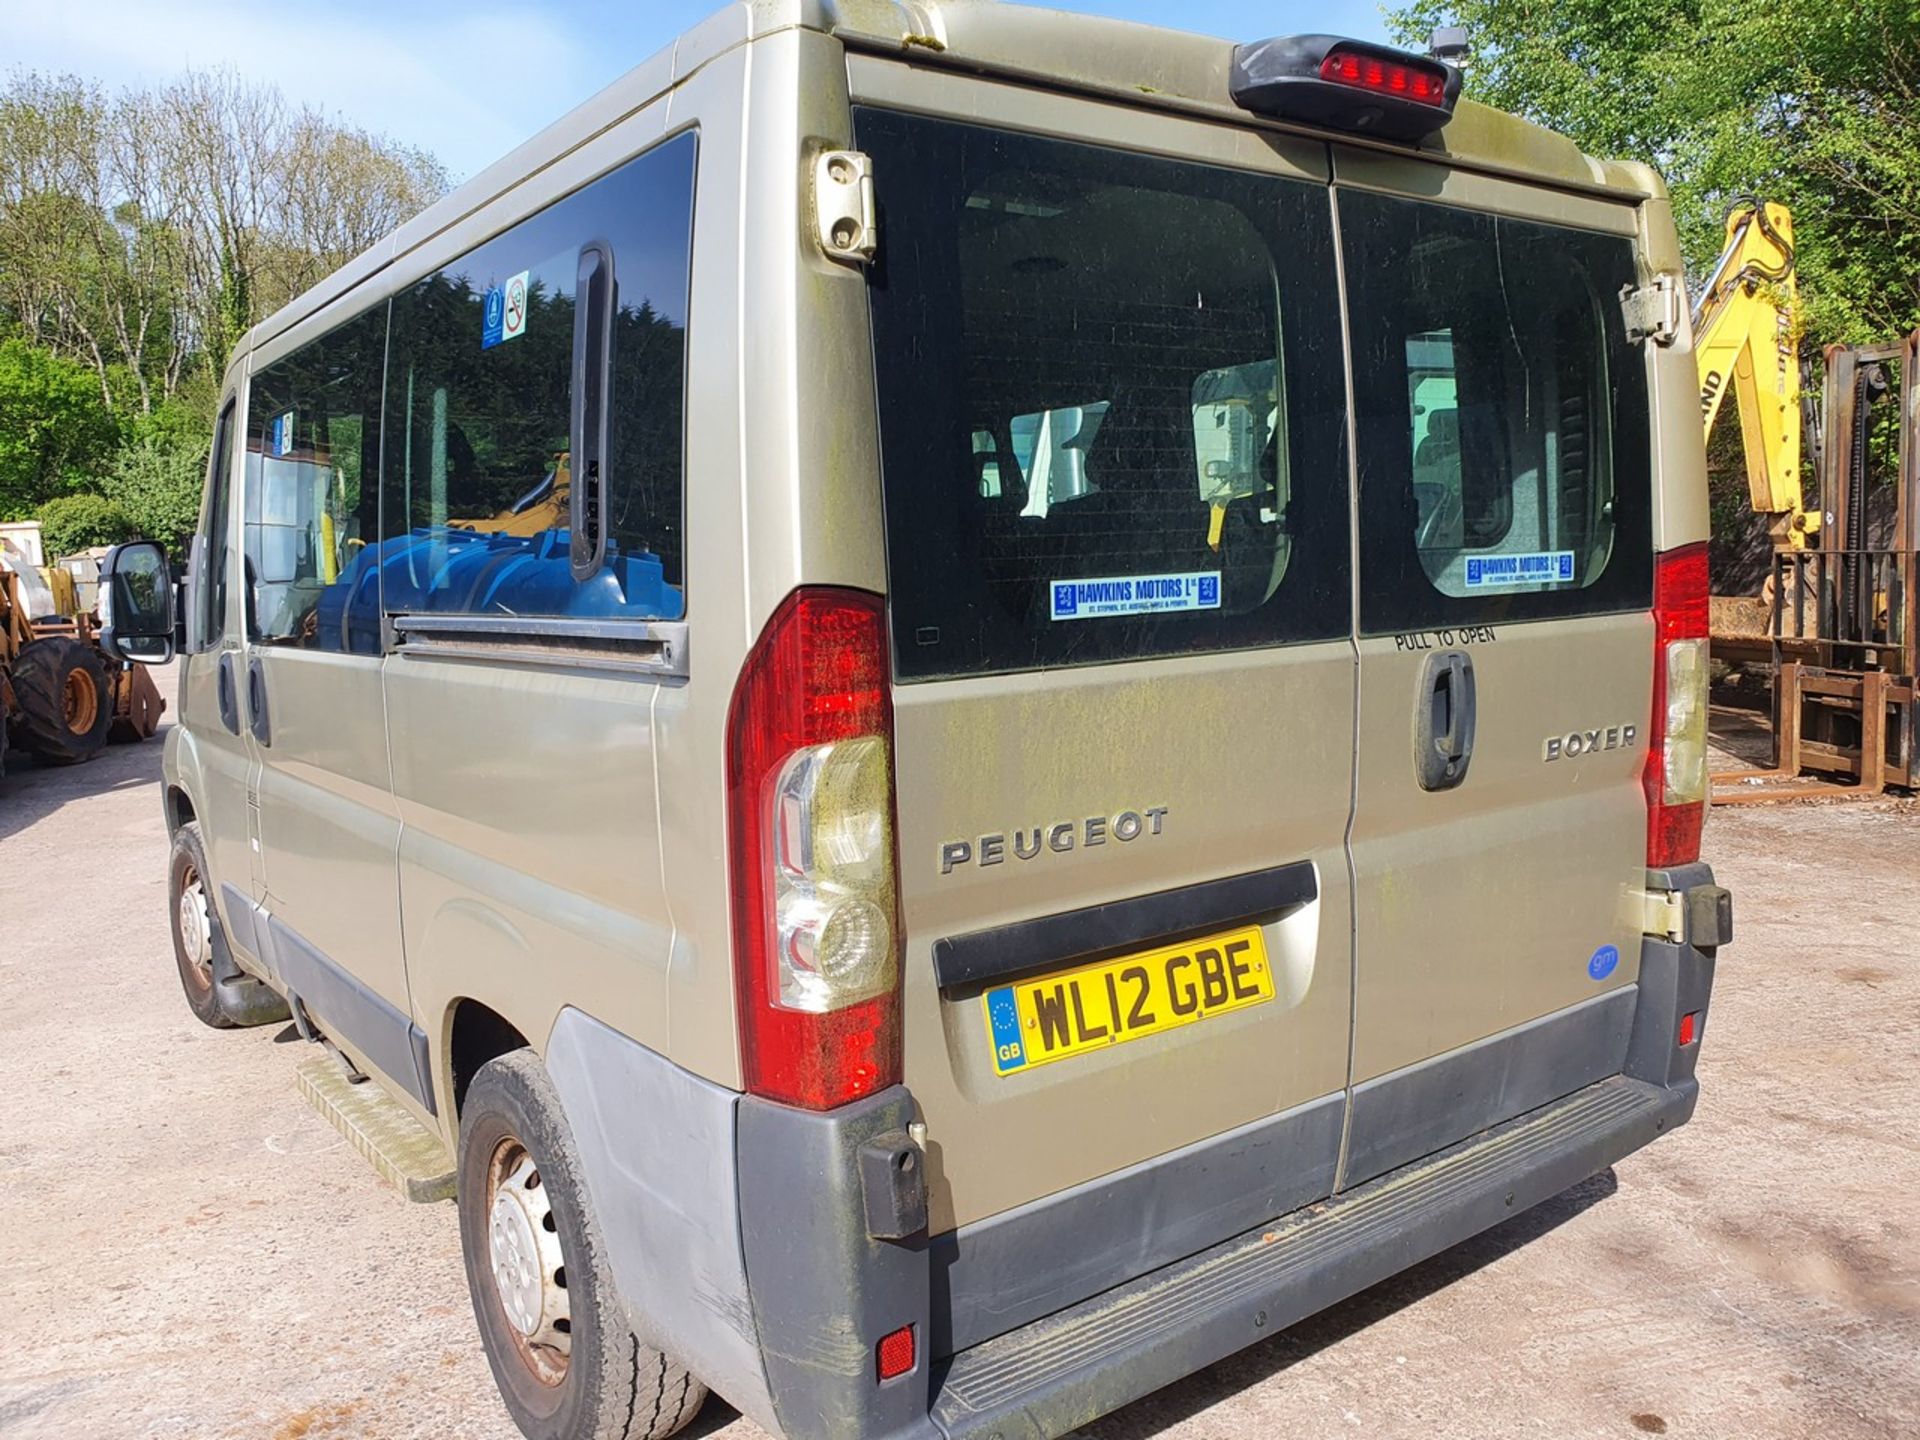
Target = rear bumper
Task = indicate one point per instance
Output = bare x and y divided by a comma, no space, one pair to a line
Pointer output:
824,1292
740,1233
1046,1378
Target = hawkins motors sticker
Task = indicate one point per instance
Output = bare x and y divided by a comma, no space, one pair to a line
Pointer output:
1500,572
1135,595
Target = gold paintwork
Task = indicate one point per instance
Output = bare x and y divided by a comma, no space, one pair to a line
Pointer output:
558,834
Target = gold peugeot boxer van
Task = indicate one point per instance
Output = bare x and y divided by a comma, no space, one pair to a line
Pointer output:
978,703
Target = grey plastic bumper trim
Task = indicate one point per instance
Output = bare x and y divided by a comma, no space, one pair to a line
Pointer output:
1043,1380
657,1143
1028,1262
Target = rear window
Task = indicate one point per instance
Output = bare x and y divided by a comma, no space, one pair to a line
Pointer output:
1111,403
1502,418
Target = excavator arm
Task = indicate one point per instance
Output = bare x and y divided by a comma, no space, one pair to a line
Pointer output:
1743,341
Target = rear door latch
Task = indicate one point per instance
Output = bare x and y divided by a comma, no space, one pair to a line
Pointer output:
1652,312
843,209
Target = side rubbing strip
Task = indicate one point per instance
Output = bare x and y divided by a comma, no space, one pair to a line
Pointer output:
1051,940
385,1034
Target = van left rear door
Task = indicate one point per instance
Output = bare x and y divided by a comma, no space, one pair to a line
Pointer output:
1111,412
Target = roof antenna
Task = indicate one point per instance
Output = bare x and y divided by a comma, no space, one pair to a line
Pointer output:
1448,43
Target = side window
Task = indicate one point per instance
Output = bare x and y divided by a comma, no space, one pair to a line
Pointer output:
207,565
1504,467
312,494
479,474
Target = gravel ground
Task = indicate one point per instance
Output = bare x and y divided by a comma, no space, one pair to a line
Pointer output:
194,1253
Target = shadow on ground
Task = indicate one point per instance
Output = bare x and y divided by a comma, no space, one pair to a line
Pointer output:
1187,1398
30,792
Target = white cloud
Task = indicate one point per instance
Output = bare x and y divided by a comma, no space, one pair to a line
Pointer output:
467,85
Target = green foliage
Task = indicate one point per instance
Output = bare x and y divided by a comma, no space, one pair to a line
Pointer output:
1808,102
54,426
155,482
178,422
75,522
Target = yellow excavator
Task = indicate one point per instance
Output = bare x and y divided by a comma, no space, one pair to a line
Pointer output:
1838,621
1744,342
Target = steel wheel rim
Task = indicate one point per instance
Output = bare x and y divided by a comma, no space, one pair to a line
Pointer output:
195,925
79,702
526,1264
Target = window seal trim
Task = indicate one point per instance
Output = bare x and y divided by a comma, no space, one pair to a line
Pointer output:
652,647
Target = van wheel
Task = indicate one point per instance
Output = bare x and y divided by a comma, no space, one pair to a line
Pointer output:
196,929
218,991
65,703
563,1357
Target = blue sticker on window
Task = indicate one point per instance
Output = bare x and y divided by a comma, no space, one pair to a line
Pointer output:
1135,595
280,434
1603,962
1499,572
494,320
1003,1019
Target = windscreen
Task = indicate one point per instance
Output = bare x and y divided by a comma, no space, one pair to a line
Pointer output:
1110,395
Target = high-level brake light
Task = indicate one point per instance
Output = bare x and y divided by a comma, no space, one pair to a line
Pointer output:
811,854
1676,773
1345,84
1407,80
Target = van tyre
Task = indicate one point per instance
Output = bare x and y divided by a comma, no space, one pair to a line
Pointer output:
218,991
64,700
566,1363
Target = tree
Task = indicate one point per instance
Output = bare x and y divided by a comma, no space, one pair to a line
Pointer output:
71,523
54,427
1808,102
142,233
156,483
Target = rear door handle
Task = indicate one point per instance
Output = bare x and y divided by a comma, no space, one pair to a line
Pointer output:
1443,720
257,701
228,693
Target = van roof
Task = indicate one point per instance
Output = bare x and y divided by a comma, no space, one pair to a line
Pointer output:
1140,64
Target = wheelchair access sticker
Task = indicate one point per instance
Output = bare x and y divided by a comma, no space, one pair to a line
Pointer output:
1499,572
1135,595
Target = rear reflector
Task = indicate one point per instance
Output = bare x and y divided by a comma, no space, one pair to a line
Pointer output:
1675,778
1689,1029
896,1353
811,854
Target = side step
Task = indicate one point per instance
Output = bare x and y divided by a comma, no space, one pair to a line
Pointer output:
1059,1373
405,1153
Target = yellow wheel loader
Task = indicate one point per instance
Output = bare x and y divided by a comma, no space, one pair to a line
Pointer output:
61,698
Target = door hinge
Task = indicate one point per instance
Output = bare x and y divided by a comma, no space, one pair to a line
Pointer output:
1652,312
1665,915
843,206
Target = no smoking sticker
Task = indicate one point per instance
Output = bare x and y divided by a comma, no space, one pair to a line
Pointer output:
514,322
504,312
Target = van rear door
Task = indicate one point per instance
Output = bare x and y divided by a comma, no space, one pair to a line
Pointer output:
1506,650
1111,406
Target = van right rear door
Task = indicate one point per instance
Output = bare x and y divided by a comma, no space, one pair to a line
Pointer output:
1506,649
1112,414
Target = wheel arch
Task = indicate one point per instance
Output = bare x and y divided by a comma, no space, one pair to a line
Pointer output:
475,1033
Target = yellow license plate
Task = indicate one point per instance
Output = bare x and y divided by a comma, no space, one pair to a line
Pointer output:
1035,1022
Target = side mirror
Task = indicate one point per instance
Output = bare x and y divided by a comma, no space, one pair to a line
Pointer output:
137,603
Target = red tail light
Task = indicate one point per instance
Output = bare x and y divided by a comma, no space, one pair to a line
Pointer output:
811,854
1425,84
1676,773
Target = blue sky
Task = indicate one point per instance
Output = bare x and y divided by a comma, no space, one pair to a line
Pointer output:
468,81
